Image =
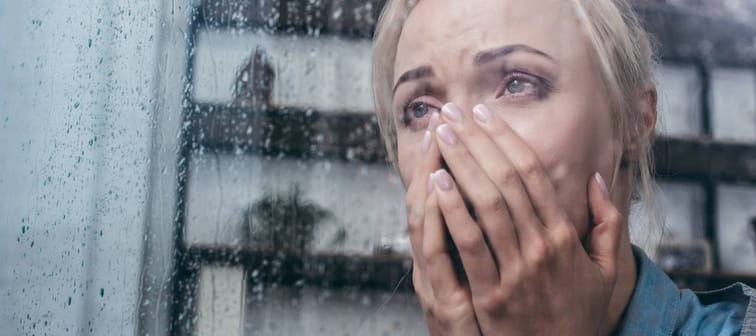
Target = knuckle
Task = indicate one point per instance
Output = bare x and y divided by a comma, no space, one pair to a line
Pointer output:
454,311
414,221
453,206
493,302
530,168
505,175
432,254
489,202
564,236
614,216
470,241
409,201
540,252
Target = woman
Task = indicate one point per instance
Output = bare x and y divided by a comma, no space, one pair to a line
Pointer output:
521,130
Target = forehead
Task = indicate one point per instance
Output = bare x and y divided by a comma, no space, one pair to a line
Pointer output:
439,31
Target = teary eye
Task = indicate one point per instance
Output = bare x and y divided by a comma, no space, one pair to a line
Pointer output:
418,109
522,87
519,86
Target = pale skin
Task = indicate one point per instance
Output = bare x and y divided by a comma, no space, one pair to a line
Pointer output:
509,95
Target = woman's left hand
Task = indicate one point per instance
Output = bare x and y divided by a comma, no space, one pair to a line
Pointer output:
528,272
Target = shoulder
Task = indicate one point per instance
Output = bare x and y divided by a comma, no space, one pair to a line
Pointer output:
727,311
749,319
658,307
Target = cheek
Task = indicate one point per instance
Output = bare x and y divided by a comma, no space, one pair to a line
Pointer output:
572,144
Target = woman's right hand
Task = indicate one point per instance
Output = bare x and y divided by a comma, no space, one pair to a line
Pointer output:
455,315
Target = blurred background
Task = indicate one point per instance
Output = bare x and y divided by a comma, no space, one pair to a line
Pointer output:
214,167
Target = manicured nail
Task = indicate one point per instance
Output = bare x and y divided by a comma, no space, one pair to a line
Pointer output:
426,141
435,120
430,183
443,179
602,184
481,113
446,134
451,112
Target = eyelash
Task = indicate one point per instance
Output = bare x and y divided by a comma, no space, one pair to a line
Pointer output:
542,87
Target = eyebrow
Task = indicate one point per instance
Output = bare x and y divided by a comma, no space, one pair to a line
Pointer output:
489,55
479,59
416,73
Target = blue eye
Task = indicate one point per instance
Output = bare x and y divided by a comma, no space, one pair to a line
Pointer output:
519,86
522,87
418,109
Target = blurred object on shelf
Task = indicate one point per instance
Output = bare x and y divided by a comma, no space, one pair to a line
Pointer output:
254,81
690,256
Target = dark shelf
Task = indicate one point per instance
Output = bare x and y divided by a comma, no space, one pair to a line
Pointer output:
705,159
684,33
710,281
309,134
382,272
374,272
288,132
345,18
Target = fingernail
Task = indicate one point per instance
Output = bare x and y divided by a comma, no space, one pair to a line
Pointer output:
430,183
435,120
426,141
602,184
446,134
451,112
443,179
481,113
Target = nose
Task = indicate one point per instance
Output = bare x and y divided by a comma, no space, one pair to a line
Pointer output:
464,99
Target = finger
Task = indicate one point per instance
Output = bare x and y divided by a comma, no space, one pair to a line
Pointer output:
604,238
440,268
452,312
418,190
529,167
500,169
490,207
477,259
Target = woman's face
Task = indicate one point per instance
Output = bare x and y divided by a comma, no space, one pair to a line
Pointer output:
528,61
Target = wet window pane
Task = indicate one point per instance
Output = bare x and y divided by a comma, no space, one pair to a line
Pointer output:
352,207
734,104
324,73
679,90
314,311
736,218
216,167
684,206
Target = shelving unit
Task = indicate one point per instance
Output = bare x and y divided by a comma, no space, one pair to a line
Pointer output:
310,134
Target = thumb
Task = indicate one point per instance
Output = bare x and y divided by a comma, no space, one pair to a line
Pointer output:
604,237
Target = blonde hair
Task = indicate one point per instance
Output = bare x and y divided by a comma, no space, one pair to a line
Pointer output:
622,48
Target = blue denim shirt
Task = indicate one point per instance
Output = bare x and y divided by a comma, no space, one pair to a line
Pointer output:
658,307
